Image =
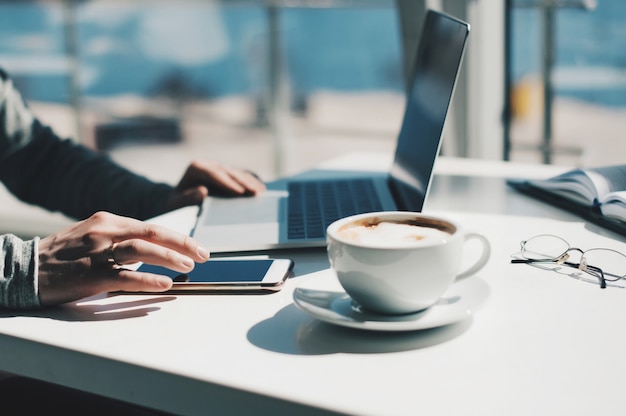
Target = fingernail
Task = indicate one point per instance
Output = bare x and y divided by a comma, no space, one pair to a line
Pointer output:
164,282
203,252
187,262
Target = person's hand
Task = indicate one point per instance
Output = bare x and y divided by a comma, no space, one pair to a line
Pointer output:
210,178
88,257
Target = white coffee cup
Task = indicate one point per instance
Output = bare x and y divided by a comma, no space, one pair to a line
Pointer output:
399,262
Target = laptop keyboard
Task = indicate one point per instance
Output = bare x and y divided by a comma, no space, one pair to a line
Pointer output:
313,205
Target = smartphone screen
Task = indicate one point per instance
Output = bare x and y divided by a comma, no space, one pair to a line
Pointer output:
218,271
228,274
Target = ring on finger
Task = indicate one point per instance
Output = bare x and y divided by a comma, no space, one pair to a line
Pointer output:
110,252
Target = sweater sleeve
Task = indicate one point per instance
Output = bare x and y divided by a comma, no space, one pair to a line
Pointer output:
18,273
42,169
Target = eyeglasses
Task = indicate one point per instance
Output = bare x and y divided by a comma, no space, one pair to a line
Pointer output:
603,263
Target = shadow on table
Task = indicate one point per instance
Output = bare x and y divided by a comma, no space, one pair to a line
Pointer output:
82,312
291,331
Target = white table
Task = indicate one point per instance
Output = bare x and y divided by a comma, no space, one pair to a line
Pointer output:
542,342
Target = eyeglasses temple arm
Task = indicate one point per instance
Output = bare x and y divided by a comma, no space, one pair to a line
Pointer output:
528,261
598,270
599,275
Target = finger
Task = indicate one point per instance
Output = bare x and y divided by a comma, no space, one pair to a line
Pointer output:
250,182
133,251
221,178
225,179
209,173
131,229
133,281
239,182
199,172
56,291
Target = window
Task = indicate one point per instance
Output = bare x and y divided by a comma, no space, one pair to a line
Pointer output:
157,83
582,121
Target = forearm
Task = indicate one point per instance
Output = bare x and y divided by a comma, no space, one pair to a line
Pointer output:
60,175
18,273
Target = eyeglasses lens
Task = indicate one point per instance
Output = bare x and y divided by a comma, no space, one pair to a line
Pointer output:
544,247
612,263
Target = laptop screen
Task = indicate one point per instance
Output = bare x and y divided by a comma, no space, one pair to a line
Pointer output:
434,76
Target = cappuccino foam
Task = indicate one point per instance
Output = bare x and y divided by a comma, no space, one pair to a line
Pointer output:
388,233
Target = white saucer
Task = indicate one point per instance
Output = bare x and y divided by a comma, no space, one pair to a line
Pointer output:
338,308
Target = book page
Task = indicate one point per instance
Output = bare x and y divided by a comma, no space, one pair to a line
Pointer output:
575,185
614,176
600,182
614,205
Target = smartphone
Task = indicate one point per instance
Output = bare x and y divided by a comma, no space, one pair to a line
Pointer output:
228,275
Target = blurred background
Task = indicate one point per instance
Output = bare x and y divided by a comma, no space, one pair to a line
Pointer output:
249,83
277,86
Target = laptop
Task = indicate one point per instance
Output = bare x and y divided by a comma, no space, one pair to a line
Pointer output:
295,211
